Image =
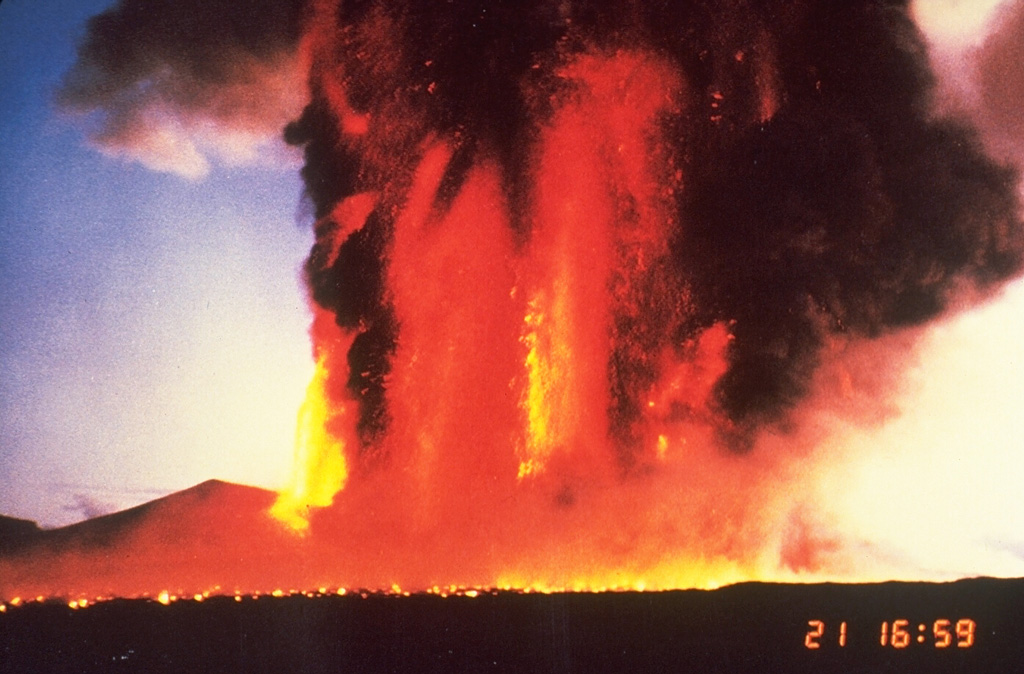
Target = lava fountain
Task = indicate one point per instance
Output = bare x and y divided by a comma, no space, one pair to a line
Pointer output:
592,263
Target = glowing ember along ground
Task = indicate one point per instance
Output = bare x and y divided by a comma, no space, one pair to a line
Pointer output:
821,628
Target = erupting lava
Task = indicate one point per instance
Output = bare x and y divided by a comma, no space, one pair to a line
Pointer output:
320,468
534,391
584,272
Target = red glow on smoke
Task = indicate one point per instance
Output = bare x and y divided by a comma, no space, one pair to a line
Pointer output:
500,465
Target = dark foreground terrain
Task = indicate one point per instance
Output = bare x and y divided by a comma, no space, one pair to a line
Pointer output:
968,626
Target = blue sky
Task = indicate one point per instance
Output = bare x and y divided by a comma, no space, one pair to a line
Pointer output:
152,328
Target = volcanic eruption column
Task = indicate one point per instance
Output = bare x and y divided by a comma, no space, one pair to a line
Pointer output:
572,260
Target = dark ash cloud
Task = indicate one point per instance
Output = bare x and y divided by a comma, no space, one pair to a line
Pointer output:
822,198
174,84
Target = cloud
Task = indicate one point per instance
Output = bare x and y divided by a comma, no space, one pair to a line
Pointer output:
87,507
955,22
1001,83
975,49
180,85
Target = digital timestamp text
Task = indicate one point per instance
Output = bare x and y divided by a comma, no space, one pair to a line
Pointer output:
899,633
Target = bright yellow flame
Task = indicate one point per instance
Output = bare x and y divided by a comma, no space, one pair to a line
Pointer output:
662,446
539,372
320,471
670,574
548,365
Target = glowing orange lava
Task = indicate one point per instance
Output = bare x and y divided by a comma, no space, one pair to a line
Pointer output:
320,471
501,465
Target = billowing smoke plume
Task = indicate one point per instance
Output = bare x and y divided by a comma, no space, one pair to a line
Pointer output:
172,84
812,194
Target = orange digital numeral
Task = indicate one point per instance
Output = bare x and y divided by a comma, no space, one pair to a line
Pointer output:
900,636
817,629
965,633
942,636
842,633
